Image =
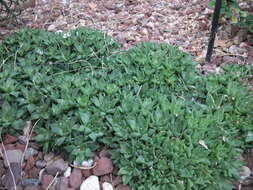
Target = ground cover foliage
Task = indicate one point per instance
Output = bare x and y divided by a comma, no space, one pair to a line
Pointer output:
166,125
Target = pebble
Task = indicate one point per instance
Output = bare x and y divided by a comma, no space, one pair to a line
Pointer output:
30,182
41,163
87,163
30,152
62,184
104,166
107,186
57,166
75,179
67,173
245,172
91,183
22,139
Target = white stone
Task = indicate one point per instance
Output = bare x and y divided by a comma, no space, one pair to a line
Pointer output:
91,183
107,186
67,173
87,163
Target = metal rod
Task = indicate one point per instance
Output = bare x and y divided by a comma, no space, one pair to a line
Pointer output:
215,24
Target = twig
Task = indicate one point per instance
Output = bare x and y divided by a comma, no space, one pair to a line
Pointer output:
8,164
52,182
28,139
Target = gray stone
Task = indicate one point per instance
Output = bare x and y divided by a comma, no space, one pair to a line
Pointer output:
57,166
22,139
62,184
14,156
30,152
30,182
91,183
7,180
41,164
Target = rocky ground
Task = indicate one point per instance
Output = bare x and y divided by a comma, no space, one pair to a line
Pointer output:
184,23
22,160
33,170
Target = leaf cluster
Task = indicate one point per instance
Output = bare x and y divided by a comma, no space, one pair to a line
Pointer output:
149,105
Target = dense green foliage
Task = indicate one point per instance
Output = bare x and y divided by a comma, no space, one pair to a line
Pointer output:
235,15
149,105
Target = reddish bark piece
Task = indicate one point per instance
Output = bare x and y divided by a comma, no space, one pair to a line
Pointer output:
46,180
33,173
20,146
75,179
104,166
86,173
30,163
9,139
9,147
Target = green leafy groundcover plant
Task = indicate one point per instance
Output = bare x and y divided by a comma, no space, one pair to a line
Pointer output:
149,105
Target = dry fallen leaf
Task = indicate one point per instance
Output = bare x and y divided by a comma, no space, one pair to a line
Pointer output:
222,43
201,142
92,5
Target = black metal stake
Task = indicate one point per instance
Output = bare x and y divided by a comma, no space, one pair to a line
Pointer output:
215,23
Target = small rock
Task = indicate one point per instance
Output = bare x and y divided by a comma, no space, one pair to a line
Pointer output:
67,173
86,173
236,50
105,178
9,147
41,164
240,36
32,188
48,157
9,139
91,183
14,156
30,182
245,172
20,146
57,166
62,184
75,179
18,187
7,179
30,152
87,163
33,173
117,181
123,187
22,139
107,186
46,180
144,31
30,163
104,166
150,25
